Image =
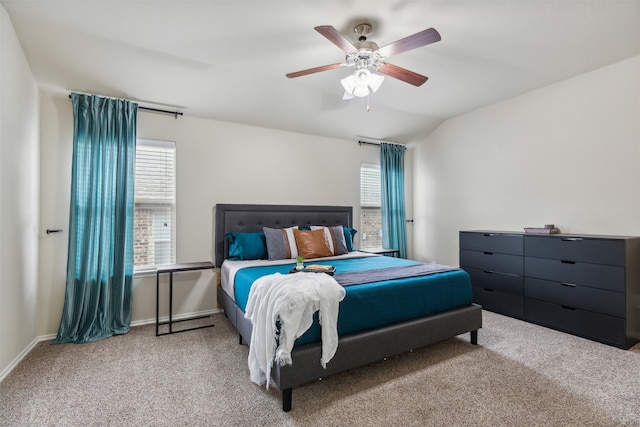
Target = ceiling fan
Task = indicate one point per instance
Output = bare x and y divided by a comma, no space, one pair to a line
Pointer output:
368,58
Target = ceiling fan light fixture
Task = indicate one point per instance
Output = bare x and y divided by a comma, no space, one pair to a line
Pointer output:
361,82
349,84
346,96
361,92
375,81
361,77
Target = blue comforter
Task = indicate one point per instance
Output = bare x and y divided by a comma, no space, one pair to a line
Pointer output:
376,304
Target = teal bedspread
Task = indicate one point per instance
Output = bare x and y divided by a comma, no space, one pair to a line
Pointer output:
376,304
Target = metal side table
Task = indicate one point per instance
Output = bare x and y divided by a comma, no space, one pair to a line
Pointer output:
170,269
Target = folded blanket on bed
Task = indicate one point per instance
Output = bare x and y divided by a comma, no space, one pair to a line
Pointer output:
390,273
291,300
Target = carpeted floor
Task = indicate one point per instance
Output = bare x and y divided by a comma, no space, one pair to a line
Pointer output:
520,375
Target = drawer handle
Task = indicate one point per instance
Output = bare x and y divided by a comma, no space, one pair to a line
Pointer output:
488,271
488,290
564,261
569,285
488,253
571,239
566,307
490,234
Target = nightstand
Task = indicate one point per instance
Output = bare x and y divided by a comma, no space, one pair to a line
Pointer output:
170,269
382,251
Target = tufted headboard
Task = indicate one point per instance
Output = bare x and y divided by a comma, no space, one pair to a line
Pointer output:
247,218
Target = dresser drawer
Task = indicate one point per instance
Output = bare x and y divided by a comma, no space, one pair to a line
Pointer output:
492,281
599,327
576,296
579,249
500,302
492,261
579,273
491,242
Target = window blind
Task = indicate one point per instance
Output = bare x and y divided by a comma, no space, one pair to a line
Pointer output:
369,185
370,212
155,195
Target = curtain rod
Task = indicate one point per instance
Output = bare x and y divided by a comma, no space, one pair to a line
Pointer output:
368,143
175,114
376,142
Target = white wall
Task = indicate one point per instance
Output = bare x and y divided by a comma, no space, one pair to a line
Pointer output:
568,154
19,172
217,162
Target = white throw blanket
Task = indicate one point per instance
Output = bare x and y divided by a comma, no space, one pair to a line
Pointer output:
292,299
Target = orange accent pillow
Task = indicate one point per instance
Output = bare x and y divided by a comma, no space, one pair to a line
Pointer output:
312,243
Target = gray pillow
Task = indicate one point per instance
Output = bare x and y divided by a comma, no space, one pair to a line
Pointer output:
281,244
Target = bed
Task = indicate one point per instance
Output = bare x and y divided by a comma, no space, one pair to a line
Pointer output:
358,344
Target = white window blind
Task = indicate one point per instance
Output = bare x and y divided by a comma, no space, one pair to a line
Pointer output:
155,196
370,212
369,185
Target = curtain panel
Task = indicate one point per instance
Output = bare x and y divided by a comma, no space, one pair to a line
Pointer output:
100,251
394,234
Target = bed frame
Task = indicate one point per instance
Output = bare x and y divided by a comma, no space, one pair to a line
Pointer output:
353,350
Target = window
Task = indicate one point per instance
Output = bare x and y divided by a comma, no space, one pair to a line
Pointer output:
370,212
155,204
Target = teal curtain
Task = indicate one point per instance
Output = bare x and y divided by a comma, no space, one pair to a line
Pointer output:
97,301
394,233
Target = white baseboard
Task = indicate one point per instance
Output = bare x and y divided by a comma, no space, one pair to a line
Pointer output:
18,359
182,316
49,337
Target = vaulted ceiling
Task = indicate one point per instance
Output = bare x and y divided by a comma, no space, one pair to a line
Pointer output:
227,60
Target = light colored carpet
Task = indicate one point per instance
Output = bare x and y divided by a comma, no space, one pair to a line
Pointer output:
519,375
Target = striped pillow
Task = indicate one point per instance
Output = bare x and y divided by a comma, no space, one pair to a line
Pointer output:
281,244
335,238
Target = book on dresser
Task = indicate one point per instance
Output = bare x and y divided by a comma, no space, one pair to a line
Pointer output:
586,285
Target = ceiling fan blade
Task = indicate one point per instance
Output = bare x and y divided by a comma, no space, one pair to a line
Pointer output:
314,70
402,74
336,37
420,39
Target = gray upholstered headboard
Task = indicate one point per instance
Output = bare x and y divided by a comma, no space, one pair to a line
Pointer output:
247,218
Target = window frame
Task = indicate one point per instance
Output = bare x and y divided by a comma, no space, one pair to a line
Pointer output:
369,202
155,204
